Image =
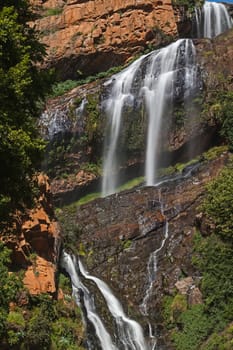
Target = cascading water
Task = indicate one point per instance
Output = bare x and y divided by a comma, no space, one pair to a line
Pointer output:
129,333
212,20
160,90
152,266
120,95
104,337
152,272
157,85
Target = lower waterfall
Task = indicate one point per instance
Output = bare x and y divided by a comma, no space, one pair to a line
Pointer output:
129,334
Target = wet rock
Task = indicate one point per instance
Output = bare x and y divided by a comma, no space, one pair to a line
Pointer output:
117,251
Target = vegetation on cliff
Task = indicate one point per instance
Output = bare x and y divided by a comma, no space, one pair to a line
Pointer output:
26,322
36,322
23,86
207,326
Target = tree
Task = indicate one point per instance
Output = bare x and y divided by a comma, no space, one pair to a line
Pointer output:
22,87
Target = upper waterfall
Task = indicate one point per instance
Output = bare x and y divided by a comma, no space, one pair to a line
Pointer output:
212,20
153,81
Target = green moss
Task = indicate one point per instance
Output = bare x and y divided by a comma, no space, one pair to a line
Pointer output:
126,244
88,198
131,184
215,152
53,12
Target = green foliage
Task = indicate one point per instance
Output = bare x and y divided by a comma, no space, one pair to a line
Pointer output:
131,184
195,327
126,244
60,88
94,127
54,324
22,87
218,204
188,4
15,327
10,286
222,341
38,335
201,326
219,107
225,116
53,11
214,258
66,333
92,168
178,306
211,154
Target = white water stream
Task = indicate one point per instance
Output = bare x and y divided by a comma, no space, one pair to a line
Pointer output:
212,20
159,91
120,94
158,73
129,332
70,264
152,270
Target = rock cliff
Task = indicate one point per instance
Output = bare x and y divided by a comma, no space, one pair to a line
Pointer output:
117,235
35,242
86,37
76,131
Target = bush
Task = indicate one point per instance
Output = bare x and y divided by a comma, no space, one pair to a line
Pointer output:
195,327
218,204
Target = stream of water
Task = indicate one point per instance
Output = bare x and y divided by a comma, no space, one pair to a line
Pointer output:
129,333
211,20
157,86
159,73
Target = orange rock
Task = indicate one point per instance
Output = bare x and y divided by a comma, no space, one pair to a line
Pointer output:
118,27
37,232
41,277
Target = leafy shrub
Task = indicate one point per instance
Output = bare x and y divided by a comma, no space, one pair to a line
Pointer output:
195,327
218,204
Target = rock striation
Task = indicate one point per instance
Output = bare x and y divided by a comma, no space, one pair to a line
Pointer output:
86,37
118,234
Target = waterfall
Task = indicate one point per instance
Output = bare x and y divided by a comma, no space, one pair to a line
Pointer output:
160,90
119,96
212,20
152,79
129,333
152,265
104,337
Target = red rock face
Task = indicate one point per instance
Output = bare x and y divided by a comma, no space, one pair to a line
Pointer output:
36,245
92,36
